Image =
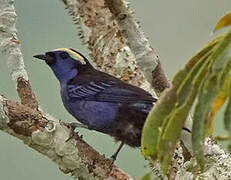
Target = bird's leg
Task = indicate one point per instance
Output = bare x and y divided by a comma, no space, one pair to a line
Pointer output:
114,156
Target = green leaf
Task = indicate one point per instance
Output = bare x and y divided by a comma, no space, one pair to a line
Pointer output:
162,108
209,90
152,126
227,88
165,105
175,121
185,88
200,116
203,75
224,83
227,116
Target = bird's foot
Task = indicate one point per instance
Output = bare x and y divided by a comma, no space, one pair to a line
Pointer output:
73,126
71,135
113,158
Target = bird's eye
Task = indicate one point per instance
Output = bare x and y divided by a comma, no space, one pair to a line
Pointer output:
50,58
64,55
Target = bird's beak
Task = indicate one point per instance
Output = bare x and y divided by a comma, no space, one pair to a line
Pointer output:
40,56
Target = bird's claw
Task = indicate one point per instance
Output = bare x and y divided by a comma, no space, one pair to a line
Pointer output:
71,135
72,127
113,158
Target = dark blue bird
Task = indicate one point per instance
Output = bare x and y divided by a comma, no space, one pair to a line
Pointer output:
98,100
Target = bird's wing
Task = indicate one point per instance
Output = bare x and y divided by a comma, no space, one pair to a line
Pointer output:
86,90
108,92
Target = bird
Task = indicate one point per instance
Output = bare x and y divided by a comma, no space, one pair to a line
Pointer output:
99,101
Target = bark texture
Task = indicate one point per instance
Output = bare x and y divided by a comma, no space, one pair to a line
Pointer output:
38,130
117,46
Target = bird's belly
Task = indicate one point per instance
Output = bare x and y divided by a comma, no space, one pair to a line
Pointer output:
97,115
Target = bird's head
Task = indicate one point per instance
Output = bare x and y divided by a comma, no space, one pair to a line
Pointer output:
65,62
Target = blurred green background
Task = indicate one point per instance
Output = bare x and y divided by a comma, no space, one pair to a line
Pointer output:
176,29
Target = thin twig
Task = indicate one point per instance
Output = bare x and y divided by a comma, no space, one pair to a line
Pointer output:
10,47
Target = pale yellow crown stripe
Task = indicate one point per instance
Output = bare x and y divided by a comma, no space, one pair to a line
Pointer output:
73,54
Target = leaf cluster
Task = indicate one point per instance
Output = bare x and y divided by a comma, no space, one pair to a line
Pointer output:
205,81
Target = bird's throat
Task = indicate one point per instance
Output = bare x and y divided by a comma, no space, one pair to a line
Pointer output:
64,77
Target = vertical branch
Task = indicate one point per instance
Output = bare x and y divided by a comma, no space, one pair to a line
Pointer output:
108,49
146,57
10,47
